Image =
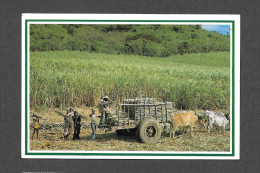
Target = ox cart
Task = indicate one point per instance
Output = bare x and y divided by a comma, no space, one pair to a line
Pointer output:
145,116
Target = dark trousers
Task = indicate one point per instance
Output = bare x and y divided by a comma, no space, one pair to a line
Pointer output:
76,133
93,127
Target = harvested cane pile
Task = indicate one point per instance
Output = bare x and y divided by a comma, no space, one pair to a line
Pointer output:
57,126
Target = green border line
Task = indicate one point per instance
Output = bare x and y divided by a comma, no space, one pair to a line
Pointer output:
26,94
131,154
233,87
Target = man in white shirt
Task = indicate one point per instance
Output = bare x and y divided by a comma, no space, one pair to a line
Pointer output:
93,124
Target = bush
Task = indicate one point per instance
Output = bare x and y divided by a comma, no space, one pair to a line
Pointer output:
47,37
145,40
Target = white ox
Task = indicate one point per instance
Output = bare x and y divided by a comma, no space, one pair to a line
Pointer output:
217,119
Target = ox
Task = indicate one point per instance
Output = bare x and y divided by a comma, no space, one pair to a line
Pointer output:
217,119
186,119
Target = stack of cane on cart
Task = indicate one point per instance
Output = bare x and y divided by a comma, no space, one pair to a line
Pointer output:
133,110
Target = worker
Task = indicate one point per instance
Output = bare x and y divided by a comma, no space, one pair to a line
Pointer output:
93,124
77,124
104,104
67,121
36,125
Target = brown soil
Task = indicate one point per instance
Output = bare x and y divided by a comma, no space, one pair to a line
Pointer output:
53,139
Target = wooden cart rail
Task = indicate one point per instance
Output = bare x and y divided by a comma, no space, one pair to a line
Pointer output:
163,114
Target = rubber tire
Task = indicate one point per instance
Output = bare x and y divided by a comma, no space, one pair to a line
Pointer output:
142,131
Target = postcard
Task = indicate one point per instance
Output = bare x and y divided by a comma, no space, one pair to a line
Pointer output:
130,86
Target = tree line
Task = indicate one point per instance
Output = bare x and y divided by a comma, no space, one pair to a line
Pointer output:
144,40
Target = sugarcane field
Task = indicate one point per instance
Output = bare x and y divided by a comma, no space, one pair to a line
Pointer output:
148,95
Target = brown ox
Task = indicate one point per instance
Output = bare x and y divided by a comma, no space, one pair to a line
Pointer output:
184,120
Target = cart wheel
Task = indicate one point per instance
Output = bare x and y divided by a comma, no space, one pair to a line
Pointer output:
149,131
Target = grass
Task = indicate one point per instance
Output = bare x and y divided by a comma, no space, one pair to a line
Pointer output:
112,142
73,78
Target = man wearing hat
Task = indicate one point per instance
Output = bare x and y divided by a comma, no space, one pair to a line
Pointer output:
103,106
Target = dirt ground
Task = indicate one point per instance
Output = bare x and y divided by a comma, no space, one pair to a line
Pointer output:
52,139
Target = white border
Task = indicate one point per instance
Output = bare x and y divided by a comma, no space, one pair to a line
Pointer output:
236,18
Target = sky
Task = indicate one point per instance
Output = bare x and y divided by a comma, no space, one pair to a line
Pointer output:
222,29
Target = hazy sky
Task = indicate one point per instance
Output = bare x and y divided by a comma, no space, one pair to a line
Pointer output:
222,29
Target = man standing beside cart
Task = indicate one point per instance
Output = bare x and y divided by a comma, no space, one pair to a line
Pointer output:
103,106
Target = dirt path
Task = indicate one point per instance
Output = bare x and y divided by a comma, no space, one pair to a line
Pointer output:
52,139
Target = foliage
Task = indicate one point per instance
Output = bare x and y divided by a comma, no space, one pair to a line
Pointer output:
144,40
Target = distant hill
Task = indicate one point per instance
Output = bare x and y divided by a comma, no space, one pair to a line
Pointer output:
145,40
